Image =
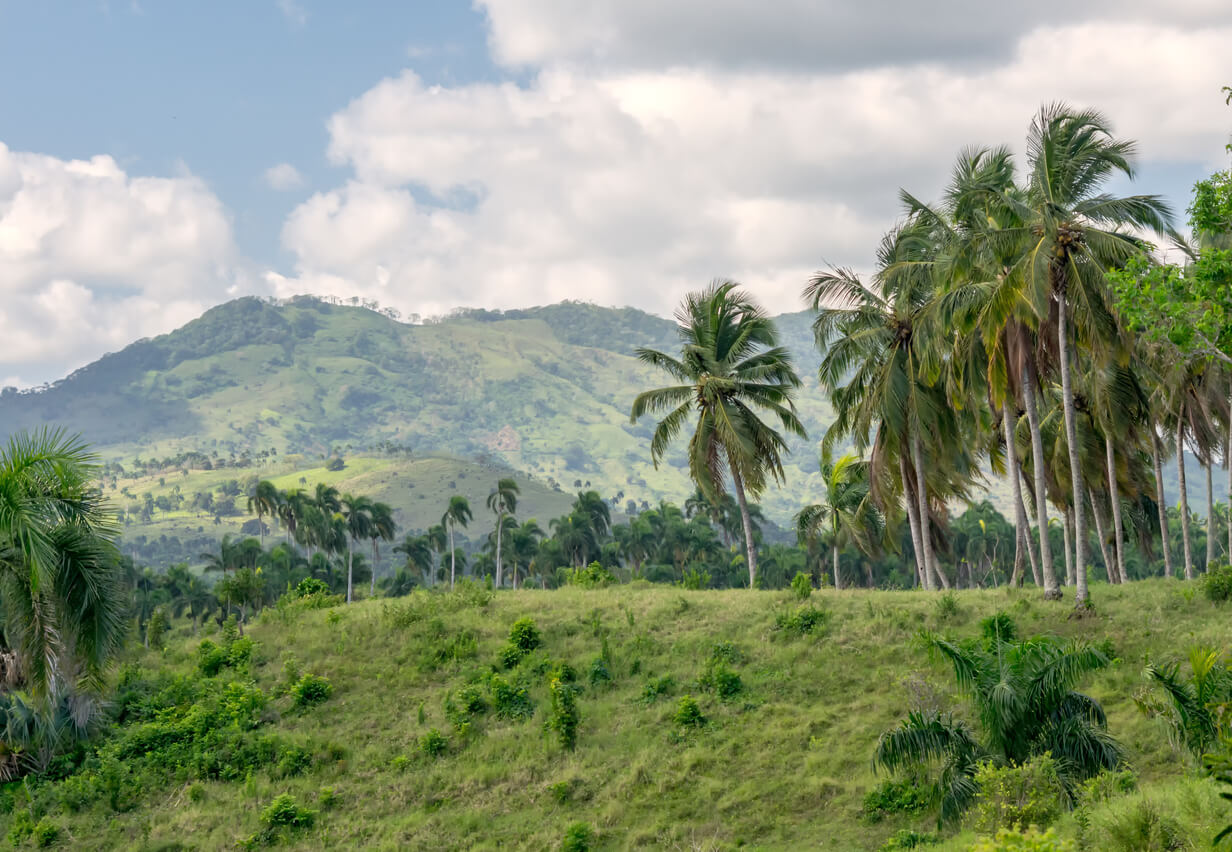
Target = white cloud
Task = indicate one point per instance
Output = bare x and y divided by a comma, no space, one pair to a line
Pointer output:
631,185
293,12
92,258
283,177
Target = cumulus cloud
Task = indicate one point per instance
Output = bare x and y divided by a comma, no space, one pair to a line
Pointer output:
628,184
283,177
92,258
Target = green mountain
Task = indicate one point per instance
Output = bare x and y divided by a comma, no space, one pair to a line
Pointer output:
544,391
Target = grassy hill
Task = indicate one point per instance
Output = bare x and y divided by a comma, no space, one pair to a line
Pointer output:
784,763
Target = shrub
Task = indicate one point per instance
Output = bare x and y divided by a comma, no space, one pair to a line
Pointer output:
688,714
1142,828
433,743
721,680
564,717
895,797
1029,840
801,586
998,625
727,652
578,838
46,832
510,656
599,671
1107,785
310,690
311,586
294,761
804,620
593,576
210,658
947,606
464,705
695,580
239,652
284,811
909,838
658,688
524,635
510,700
1017,796
327,797
1217,583
156,630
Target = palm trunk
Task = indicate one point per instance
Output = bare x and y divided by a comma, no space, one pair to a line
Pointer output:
1019,548
1097,516
1051,589
1159,502
921,494
1227,463
1082,594
1184,488
1011,465
1070,545
1212,524
453,558
913,519
834,554
350,554
1029,540
750,551
1114,502
500,577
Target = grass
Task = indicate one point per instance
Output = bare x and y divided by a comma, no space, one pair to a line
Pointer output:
783,764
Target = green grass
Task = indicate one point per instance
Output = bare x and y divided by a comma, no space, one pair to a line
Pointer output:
783,764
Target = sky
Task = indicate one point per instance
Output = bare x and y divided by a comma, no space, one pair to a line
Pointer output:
158,157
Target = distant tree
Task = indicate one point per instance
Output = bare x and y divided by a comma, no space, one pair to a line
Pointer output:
381,527
457,514
358,514
266,499
504,498
848,513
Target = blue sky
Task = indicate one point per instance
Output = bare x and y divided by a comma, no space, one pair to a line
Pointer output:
158,157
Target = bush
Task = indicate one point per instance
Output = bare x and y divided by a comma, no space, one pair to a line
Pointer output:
804,620
524,635
564,717
311,586
801,586
1142,828
1030,840
510,656
727,652
600,673
947,606
310,690
45,831
433,743
593,576
909,838
284,811
695,580
656,689
688,714
1107,785
1017,796
156,630
998,625
578,838
720,680
895,797
1217,583
210,658
510,700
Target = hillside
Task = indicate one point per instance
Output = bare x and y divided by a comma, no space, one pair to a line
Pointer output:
545,391
783,763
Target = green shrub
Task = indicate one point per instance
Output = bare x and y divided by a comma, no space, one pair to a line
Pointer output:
593,576
658,688
998,625
210,658
1107,785
727,652
311,690
156,630
1028,840
947,606
801,586
433,743
688,714
564,717
895,797
600,673
239,652
1217,583
294,761
1143,828
695,579
465,704
327,797
1017,796
511,655
721,680
45,833
524,635
802,621
196,792
311,586
578,838
234,653
909,838
284,811
510,700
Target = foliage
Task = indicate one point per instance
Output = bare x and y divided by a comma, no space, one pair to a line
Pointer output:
156,630
578,838
433,743
1217,583
234,653
1190,706
801,586
593,576
1017,796
688,713
564,716
895,796
510,700
1023,840
524,635
802,621
947,606
311,690
909,838
998,627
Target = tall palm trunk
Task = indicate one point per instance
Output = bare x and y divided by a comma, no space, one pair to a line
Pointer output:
921,492
913,519
1227,463
453,557
500,577
350,554
1212,523
1019,549
1114,501
1029,540
1082,595
1180,477
1071,545
1097,515
750,549
372,578
1051,589
1160,504
834,556
1011,465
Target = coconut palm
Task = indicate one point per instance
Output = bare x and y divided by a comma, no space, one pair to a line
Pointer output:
1023,697
61,602
265,500
504,498
358,514
381,527
848,514
731,371
457,514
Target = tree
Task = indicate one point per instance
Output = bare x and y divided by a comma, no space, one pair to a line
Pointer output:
731,369
62,604
419,551
504,498
848,513
1023,697
381,527
266,499
458,513
358,514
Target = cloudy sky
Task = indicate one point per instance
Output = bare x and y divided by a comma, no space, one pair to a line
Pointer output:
159,157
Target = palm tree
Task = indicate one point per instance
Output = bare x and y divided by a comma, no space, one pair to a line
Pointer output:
1071,232
848,512
504,498
576,536
457,514
358,514
1023,696
595,511
61,601
418,550
524,544
730,369
265,500
381,527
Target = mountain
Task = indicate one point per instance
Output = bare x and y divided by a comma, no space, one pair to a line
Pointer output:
544,391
